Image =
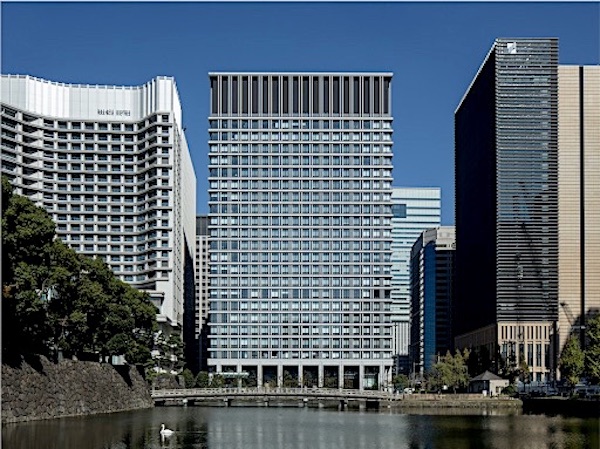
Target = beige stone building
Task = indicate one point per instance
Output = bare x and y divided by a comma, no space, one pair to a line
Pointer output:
579,197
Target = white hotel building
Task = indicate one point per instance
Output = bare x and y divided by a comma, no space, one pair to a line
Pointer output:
112,167
300,227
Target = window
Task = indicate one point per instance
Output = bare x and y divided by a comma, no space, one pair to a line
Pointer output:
356,95
275,96
286,94
376,96
295,94
346,95
336,95
399,210
244,95
255,95
224,95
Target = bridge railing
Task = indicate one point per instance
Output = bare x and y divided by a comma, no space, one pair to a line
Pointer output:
255,391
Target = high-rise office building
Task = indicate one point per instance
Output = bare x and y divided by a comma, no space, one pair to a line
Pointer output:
431,279
112,167
414,210
300,227
202,286
578,198
507,205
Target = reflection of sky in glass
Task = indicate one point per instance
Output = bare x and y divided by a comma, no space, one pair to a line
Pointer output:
291,428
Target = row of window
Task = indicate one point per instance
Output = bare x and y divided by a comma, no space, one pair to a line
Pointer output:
96,188
285,94
304,148
235,305
147,245
99,157
117,238
103,218
76,146
234,184
311,161
65,124
300,124
305,196
124,258
103,199
294,355
333,281
294,137
224,330
292,318
275,173
52,134
321,263
362,224
304,208
534,356
295,343
95,227
295,245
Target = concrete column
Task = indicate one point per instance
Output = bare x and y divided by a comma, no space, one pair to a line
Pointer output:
321,376
382,377
259,375
388,375
341,376
300,375
239,370
279,375
361,377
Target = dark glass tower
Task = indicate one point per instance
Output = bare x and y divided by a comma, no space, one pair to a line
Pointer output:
506,194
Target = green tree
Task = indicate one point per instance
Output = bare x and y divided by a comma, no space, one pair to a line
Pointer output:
203,380
189,380
289,381
27,236
308,379
330,381
592,352
400,382
217,381
56,300
571,361
524,372
451,371
508,368
168,352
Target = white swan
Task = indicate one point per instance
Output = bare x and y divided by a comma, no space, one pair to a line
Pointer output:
165,432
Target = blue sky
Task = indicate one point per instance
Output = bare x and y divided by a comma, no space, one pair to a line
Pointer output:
433,49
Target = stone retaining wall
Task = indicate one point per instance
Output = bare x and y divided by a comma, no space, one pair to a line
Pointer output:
40,389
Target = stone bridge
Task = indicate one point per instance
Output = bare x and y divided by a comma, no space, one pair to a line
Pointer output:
263,395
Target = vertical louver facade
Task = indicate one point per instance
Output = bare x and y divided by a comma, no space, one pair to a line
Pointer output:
507,201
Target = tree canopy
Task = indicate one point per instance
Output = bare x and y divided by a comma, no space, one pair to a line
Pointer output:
54,299
450,371
592,351
571,361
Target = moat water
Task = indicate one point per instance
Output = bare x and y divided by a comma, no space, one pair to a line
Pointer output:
303,428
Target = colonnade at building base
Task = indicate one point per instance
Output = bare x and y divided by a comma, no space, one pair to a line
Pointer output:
360,375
